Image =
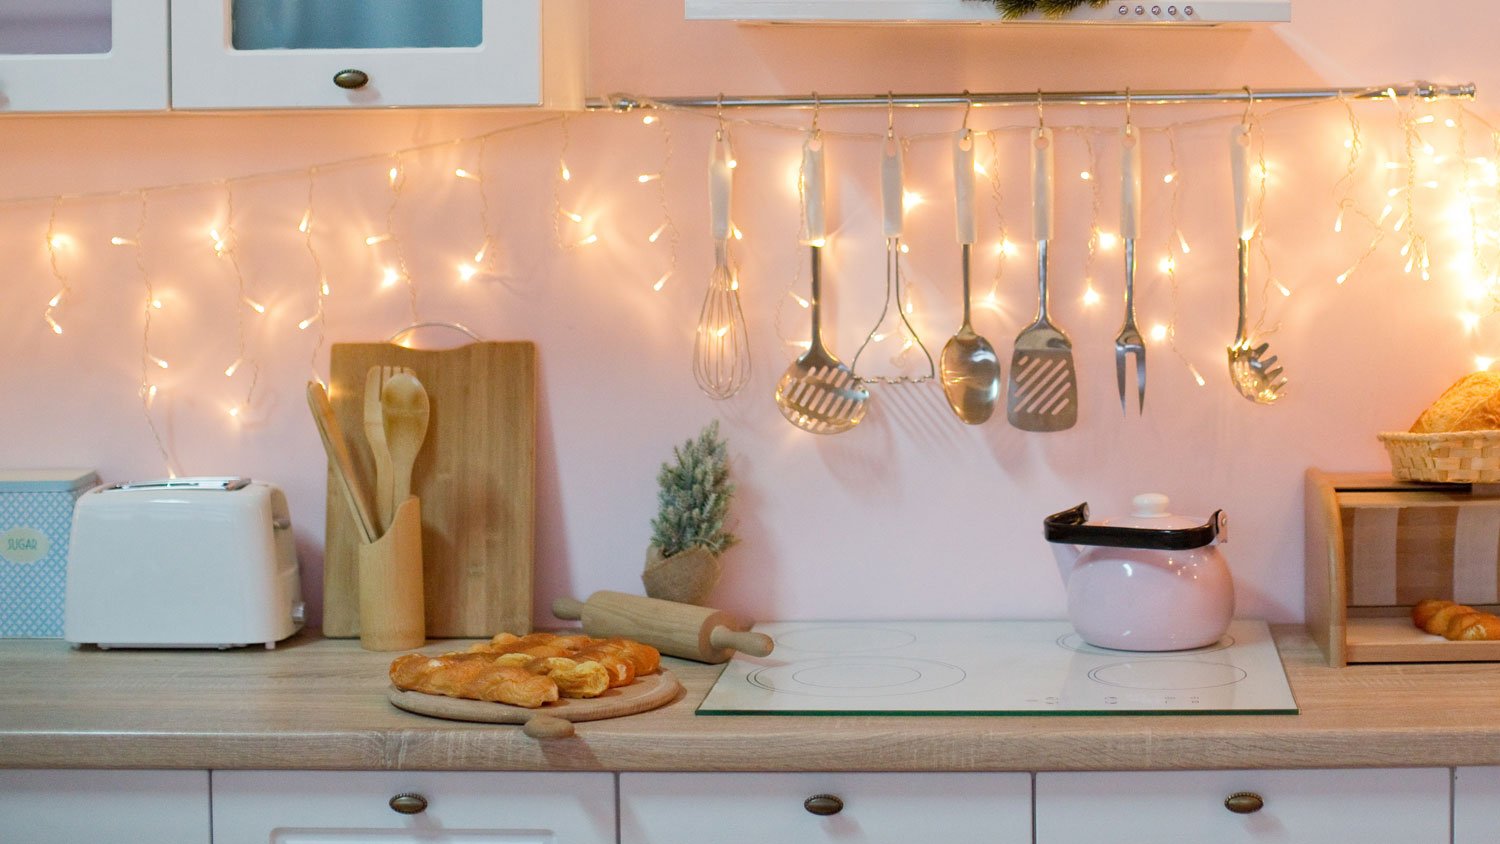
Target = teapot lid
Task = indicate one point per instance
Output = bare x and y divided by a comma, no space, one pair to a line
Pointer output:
1149,526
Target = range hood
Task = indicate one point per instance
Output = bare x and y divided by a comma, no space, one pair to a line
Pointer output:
1117,12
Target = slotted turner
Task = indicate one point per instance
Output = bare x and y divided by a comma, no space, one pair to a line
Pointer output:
1043,393
818,393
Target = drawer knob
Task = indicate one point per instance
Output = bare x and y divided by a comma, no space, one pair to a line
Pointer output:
409,804
823,804
1244,803
351,79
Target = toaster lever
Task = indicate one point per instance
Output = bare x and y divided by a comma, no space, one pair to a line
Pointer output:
227,484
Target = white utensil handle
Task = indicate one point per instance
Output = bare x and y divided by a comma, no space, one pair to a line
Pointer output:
892,187
1130,185
1239,160
814,226
1041,179
720,189
963,184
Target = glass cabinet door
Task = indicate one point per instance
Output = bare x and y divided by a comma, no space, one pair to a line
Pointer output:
343,53
83,55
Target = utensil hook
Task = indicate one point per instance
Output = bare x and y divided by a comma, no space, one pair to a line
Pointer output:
1127,110
968,107
817,109
719,113
1249,106
890,115
1040,122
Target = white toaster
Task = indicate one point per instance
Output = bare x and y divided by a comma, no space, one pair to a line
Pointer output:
182,563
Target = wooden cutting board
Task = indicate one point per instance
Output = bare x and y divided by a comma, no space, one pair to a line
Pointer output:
475,475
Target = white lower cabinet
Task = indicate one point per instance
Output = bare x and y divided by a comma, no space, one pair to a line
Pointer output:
104,807
1476,805
396,807
1379,806
825,807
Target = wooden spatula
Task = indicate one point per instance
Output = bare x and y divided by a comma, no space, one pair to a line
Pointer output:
405,406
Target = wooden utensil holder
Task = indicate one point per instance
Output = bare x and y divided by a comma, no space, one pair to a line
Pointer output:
1376,546
390,584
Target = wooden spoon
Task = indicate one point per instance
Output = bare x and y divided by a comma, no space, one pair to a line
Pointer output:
406,407
375,434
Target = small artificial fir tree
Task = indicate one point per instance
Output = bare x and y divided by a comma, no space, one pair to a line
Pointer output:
1050,8
694,497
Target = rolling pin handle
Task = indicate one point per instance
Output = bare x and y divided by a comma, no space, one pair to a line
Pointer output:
548,727
568,609
754,644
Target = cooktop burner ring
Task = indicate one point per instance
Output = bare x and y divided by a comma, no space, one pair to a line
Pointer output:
1168,675
852,677
844,639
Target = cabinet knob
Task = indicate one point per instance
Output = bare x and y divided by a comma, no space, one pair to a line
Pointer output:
823,804
351,79
1244,802
409,804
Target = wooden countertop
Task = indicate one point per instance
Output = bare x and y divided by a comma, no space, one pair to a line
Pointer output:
320,704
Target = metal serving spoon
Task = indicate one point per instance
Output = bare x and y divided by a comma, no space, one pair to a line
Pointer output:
969,365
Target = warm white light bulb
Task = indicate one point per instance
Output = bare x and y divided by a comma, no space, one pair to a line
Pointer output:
466,272
801,301
231,369
121,241
911,199
52,303
1090,295
1158,332
391,277
158,361
661,282
1085,175
1481,363
573,215
156,304
56,329
306,221
255,306
647,177
465,174
1107,240
567,175
652,238
593,238
648,119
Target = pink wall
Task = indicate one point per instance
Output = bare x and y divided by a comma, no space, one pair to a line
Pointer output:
909,515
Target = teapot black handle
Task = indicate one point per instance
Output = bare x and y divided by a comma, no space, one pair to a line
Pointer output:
1069,526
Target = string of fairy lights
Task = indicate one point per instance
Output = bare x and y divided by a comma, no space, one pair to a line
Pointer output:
1417,165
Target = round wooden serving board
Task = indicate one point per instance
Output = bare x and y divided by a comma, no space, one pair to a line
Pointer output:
649,692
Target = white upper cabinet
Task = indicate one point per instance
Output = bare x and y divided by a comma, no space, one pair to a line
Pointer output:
83,55
229,54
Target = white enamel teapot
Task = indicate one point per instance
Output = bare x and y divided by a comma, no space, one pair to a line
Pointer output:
1150,581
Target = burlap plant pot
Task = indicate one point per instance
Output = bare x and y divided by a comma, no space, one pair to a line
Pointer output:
686,577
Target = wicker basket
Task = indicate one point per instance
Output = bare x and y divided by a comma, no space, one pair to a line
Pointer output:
1469,457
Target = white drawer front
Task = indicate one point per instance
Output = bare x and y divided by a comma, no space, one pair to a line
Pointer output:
757,808
1476,805
302,807
1399,806
101,807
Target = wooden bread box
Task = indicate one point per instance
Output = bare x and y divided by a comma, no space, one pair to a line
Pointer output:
1376,546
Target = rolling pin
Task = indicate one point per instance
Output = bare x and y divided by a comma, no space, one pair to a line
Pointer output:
681,630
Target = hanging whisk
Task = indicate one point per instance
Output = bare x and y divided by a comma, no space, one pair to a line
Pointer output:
721,347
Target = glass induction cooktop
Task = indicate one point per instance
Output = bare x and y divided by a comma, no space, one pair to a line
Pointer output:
995,668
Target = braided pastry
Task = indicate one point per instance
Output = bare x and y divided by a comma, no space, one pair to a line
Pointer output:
528,671
1455,621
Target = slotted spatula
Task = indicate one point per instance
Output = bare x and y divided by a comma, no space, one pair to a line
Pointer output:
818,393
1043,393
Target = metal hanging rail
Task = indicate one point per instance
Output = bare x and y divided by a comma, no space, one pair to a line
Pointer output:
1423,90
